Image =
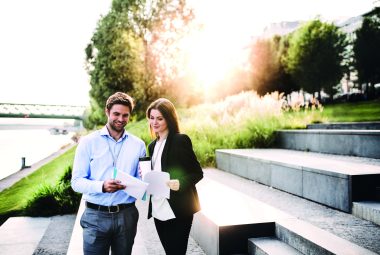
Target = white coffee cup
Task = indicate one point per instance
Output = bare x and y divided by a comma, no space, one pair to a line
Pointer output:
145,166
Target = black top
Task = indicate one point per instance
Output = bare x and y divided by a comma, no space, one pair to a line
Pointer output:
179,160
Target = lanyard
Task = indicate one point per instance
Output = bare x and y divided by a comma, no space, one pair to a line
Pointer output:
114,157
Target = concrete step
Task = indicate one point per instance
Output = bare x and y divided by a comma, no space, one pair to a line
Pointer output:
270,246
368,210
309,239
369,125
361,143
346,226
21,235
334,181
229,218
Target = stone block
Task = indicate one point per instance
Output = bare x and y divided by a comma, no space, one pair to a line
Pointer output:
368,210
286,178
239,165
259,171
222,160
228,218
327,190
268,246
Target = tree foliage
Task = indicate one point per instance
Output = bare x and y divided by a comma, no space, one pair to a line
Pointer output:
315,55
367,50
121,56
267,68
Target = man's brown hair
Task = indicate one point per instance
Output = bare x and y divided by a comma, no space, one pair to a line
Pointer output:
120,98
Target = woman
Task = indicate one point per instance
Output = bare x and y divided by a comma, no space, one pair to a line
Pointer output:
172,152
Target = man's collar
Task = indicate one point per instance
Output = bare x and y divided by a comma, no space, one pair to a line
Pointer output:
104,132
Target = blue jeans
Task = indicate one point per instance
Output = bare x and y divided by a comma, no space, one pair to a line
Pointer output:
104,230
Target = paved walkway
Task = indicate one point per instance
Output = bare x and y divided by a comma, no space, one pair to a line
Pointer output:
146,241
148,235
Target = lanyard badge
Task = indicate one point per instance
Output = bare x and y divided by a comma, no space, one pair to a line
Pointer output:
114,172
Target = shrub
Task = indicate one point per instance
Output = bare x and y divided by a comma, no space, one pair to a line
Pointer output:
52,200
43,202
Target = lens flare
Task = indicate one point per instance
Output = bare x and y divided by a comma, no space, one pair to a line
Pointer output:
213,47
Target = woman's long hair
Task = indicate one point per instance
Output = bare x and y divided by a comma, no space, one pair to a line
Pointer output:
168,111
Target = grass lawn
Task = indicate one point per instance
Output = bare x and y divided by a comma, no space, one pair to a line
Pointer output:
353,112
14,199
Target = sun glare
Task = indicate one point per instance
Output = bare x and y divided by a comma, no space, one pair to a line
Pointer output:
217,44
217,49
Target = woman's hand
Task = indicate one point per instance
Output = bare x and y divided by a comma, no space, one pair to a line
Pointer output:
173,184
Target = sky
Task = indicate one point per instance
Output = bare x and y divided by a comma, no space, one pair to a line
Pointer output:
42,50
42,42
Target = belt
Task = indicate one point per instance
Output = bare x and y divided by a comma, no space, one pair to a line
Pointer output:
110,209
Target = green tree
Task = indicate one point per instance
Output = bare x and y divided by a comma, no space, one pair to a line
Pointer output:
285,81
315,56
121,56
267,70
114,55
367,50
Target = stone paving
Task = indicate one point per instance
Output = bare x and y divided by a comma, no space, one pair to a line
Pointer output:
58,234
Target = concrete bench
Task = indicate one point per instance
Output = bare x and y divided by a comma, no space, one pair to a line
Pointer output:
335,181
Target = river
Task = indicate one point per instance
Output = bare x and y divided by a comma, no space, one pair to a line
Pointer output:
31,139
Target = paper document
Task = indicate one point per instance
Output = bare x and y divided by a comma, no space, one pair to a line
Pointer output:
157,183
135,187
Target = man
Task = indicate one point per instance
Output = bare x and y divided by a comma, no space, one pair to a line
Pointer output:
110,218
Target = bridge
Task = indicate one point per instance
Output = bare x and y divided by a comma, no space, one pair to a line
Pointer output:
9,110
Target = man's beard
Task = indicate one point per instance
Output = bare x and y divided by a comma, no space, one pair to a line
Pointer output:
117,129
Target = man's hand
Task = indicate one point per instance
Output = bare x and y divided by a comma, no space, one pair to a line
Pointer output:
112,185
173,185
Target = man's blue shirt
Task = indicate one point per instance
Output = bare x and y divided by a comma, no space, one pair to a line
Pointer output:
93,164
